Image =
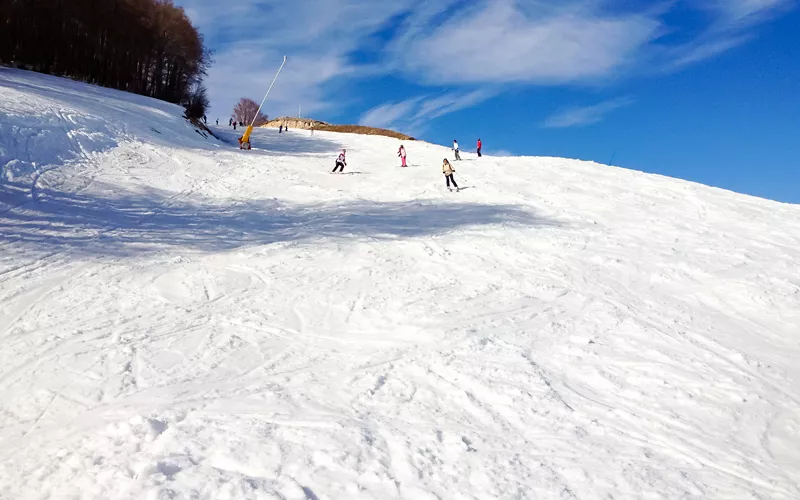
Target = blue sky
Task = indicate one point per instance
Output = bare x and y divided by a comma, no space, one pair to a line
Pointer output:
706,90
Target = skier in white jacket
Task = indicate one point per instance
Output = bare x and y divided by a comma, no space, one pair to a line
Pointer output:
455,148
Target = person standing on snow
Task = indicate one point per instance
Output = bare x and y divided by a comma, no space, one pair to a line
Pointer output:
340,162
480,145
402,154
234,125
448,171
280,129
455,148
217,122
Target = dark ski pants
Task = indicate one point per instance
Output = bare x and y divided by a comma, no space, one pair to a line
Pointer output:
479,152
340,166
449,178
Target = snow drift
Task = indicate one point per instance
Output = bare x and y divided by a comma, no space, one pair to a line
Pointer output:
179,319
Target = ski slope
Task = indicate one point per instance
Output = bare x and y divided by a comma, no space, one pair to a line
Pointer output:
183,320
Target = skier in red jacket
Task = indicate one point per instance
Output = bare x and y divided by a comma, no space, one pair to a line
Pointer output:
480,145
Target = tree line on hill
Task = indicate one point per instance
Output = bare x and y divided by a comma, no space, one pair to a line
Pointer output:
147,47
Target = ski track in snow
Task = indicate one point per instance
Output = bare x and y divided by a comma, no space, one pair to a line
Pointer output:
179,319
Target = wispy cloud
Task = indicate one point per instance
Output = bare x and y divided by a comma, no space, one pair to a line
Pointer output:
387,115
501,42
252,36
467,49
731,25
412,114
587,115
499,152
743,11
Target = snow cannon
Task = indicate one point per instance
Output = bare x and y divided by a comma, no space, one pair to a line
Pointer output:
244,141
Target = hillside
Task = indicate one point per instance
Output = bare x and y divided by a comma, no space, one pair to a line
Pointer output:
181,319
306,123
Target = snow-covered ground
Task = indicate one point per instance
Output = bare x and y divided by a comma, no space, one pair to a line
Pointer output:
179,319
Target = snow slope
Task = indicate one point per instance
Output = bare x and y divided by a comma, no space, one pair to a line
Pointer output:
179,319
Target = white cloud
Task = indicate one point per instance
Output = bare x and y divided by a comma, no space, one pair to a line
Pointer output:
413,114
498,42
731,23
587,115
743,11
252,36
498,152
387,115
467,49
697,52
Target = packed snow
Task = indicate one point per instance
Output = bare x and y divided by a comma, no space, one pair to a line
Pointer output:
181,319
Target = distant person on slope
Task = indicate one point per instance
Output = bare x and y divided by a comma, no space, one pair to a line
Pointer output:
455,148
234,125
448,171
280,129
480,145
341,162
230,122
402,154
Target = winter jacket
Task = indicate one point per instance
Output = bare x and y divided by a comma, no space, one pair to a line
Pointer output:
447,168
455,145
401,152
479,144
341,159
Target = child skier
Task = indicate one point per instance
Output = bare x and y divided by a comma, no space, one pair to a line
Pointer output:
455,148
340,162
448,171
402,154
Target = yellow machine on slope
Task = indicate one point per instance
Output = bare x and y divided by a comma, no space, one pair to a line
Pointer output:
244,141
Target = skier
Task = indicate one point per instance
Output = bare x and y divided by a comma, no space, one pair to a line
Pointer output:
455,148
280,129
234,125
217,122
312,128
480,145
448,171
230,122
402,154
340,162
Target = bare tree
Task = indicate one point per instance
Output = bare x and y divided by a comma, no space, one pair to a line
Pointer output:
196,102
245,110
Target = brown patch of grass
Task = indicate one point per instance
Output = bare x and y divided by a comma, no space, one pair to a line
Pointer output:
305,123
360,129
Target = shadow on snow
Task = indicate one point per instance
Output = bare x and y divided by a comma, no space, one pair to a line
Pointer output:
294,143
151,221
